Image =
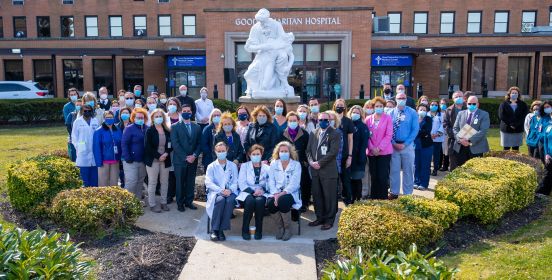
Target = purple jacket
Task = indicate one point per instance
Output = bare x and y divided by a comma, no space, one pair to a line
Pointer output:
133,144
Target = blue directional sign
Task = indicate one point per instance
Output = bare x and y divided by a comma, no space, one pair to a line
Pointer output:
186,61
391,60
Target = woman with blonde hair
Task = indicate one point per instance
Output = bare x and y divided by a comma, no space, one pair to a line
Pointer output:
304,121
207,143
284,179
261,131
226,132
89,98
359,159
347,128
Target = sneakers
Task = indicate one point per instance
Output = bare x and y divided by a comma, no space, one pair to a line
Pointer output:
156,209
164,207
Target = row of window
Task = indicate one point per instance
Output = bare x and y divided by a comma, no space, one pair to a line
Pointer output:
70,2
447,22
67,26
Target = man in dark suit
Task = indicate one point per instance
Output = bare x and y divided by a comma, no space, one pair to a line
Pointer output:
475,146
104,102
322,150
185,137
449,119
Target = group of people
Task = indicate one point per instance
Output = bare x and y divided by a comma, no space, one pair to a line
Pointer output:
278,163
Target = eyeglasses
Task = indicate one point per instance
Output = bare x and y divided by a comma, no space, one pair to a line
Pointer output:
323,120
472,103
129,98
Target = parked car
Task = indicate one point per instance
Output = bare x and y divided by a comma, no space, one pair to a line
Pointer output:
22,90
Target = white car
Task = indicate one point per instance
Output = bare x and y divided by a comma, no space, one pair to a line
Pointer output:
22,90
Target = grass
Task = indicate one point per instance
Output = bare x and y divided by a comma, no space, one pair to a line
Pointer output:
493,136
522,254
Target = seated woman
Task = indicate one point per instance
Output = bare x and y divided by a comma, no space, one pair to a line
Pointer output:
253,180
284,178
221,181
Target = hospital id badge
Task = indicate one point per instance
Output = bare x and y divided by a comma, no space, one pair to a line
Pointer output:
169,145
475,121
115,150
323,150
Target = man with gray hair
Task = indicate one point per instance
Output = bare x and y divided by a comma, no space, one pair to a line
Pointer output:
449,118
475,146
103,101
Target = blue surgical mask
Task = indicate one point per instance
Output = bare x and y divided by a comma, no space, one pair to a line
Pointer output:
227,128
284,156
187,115
221,155
332,123
293,125
73,98
242,117
183,92
355,117
139,121
472,108
152,107
303,115
401,102
216,119
388,110
513,96
315,109
78,108
261,119
378,111
324,124
158,120
171,109
422,114
443,107
548,110
459,101
125,116
255,158
434,108
138,93
129,102
279,110
369,111
137,105
91,103
109,121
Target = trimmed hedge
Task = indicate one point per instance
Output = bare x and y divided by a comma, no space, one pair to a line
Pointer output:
379,227
96,210
225,105
440,212
522,158
32,110
40,255
487,188
34,182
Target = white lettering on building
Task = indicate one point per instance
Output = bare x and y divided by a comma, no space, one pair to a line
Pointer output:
294,21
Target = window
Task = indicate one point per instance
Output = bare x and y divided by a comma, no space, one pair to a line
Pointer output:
550,17
164,1
67,2
394,22
1,28
72,75
19,27
43,26
103,74
518,73
189,22
420,23
18,2
450,77
474,22
501,22
164,25
67,26
115,26
447,22
546,84
42,74
528,20
140,27
13,70
91,26
483,74
133,73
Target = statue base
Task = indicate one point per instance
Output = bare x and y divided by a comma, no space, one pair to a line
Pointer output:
250,103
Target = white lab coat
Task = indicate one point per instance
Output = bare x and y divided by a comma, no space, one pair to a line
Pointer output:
82,136
288,180
217,179
247,178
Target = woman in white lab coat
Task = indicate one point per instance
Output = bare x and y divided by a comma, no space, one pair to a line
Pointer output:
253,187
221,181
82,137
284,179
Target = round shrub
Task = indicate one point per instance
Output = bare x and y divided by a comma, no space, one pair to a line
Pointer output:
96,210
519,157
441,212
40,255
375,227
34,182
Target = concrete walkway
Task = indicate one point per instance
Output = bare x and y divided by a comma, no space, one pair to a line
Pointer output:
240,259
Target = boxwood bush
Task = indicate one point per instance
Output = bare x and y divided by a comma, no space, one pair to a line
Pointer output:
487,188
34,182
32,110
40,255
519,157
383,227
96,211
441,212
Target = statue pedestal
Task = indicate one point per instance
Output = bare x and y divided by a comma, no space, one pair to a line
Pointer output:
291,102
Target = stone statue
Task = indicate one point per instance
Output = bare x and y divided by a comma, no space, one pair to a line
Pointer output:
266,76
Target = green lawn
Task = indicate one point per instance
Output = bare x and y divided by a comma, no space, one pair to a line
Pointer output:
493,136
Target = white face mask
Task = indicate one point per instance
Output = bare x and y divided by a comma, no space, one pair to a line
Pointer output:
203,95
183,92
103,96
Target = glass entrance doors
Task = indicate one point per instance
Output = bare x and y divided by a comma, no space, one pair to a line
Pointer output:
392,75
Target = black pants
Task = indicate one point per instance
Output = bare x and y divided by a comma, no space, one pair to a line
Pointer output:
453,160
546,185
345,178
356,188
465,155
379,174
253,204
284,204
185,183
324,194
541,153
171,193
444,162
513,148
306,183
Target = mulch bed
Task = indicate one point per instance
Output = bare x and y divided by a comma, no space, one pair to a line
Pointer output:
133,254
460,236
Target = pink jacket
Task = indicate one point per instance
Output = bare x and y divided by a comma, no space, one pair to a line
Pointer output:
381,135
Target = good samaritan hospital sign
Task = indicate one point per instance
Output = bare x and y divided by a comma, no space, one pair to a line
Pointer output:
295,21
